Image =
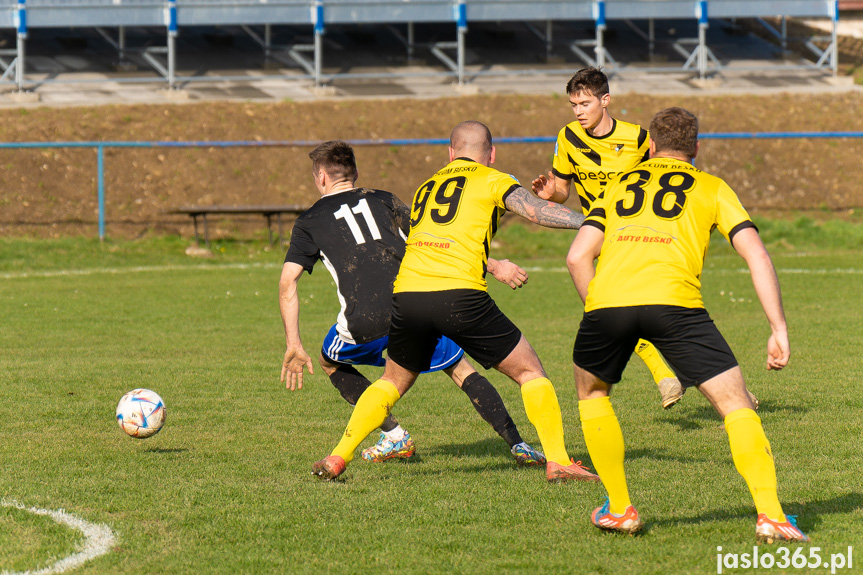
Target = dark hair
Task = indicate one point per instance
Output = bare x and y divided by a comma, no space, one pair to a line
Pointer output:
675,130
336,158
590,80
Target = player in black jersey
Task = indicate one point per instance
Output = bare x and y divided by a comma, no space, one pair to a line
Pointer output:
359,234
441,290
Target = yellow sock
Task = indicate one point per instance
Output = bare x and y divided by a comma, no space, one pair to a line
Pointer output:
372,408
604,441
754,460
650,356
543,411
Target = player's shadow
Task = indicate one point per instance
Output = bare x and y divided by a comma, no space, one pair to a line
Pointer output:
810,514
705,417
478,451
692,419
814,513
721,514
491,447
781,405
482,448
660,454
166,450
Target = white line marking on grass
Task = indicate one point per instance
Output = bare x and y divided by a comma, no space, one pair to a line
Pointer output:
804,271
175,268
540,269
799,271
99,539
137,269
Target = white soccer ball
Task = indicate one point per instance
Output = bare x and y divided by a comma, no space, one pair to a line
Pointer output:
141,413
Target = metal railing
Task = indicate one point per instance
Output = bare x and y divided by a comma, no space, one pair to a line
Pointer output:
22,15
100,147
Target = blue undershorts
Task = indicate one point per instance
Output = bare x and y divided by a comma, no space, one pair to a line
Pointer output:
337,350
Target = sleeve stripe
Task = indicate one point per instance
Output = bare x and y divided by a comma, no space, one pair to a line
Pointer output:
561,176
511,189
598,225
496,215
739,227
642,136
597,212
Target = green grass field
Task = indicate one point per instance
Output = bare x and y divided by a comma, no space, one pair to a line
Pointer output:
226,486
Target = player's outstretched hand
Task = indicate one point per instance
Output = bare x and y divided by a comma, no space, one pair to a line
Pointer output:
778,351
543,186
508,273
295,360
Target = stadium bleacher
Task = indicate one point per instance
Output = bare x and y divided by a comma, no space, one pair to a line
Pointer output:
112,18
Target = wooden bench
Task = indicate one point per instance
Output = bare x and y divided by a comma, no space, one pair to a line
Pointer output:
267,211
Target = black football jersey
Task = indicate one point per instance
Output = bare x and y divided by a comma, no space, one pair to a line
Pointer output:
360,236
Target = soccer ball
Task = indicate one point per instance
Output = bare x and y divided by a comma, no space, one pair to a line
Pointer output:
141,413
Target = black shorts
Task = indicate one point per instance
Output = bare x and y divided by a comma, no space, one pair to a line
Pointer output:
468,317
686,337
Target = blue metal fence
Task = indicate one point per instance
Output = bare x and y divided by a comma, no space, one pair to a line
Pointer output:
100,147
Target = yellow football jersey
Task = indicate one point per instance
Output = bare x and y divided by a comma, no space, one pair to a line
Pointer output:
454,216
590,163
657,220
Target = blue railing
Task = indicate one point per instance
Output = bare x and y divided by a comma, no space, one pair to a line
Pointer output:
100,147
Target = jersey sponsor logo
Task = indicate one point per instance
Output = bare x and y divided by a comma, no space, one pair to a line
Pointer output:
455,170
583,148
663,164
642,234
644,239
430,241
602,176
427,244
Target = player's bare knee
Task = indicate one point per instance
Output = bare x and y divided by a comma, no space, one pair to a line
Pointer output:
401,378
329,368
522,373
588,385
460,371
522,364
727,392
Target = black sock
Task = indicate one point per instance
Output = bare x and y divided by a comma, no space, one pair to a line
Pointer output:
351,385
488,403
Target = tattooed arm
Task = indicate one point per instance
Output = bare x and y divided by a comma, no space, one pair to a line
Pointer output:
542,212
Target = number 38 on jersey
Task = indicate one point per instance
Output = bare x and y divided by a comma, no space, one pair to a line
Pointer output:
668,192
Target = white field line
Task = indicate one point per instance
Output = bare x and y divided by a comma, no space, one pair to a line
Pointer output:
98,539
137,269
215,267
800,271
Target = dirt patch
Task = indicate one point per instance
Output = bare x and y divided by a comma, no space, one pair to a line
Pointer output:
52,192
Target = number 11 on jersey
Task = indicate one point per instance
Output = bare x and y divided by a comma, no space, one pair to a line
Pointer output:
362,208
